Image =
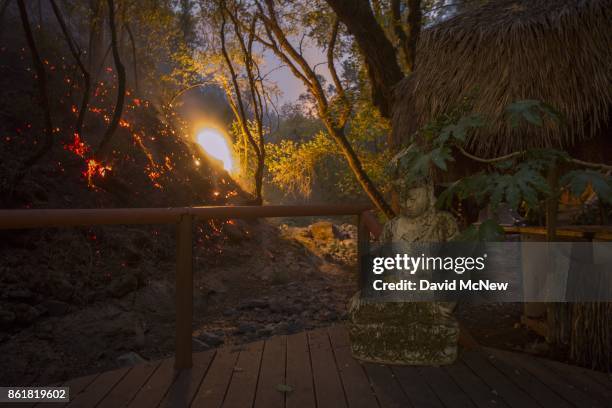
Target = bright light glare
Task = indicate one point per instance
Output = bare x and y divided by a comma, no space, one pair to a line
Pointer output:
216,145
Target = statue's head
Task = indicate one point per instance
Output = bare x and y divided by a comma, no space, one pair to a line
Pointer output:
417,200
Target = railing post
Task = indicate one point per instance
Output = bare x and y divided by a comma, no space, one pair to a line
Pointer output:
184,292
363,246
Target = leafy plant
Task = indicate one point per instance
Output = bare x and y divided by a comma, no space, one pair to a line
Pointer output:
517,179
487,231
577,181
531,110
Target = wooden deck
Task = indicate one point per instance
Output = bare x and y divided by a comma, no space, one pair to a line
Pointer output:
319,369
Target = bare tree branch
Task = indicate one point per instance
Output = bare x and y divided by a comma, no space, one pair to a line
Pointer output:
241,111
287,53
110,131
346,106
134,59
76,54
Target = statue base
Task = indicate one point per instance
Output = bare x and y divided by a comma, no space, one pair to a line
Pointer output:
409,333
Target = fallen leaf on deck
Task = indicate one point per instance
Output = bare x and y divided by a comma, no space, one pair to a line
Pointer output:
284,388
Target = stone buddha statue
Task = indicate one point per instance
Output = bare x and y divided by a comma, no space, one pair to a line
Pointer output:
419,220
400,332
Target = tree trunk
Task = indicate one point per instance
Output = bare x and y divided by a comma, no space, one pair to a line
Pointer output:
3,9
134,60
103,148
379,54
96,34
41,79
259,181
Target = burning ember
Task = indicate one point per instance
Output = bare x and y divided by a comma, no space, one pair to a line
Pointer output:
77,146
94,168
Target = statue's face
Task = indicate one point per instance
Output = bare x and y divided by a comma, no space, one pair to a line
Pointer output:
416,202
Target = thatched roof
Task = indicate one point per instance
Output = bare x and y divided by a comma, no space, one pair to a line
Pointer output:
555,51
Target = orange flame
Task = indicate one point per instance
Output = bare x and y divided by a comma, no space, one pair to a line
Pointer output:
77,146
95,168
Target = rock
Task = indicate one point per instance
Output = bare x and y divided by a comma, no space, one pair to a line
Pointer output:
25,314
123,285
19,294
289,327
61,289
330,315
6,317
199,345
244,328
130,359
285,307
254,303
211,339
229,312
264,332
540,347
323,231
44,330
56,307
234,232
132,257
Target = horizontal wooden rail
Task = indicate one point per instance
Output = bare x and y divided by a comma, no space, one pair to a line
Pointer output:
38,218
184,217
587,232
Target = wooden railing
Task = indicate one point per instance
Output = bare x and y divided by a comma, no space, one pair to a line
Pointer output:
184,217
575,232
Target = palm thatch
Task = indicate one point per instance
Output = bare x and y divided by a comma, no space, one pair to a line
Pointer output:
555,51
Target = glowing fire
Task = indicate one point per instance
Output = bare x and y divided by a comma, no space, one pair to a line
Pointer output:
94,168
216,145
77,146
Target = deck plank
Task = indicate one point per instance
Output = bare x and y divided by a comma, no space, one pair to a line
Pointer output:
241,391
98,389
555,382
445,388
339,336
328,387
321,372
387,389
127,388
530,384
272,374
418,391
511,393
76,385
188,381
214,386
479,392
356,384
299,373
589,381
153,391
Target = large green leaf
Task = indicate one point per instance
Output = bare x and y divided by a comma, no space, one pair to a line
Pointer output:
578,180
490,231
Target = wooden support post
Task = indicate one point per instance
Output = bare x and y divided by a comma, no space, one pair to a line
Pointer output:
363,247
552,204
184,292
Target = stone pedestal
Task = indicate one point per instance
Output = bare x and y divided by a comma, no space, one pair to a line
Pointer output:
410,333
